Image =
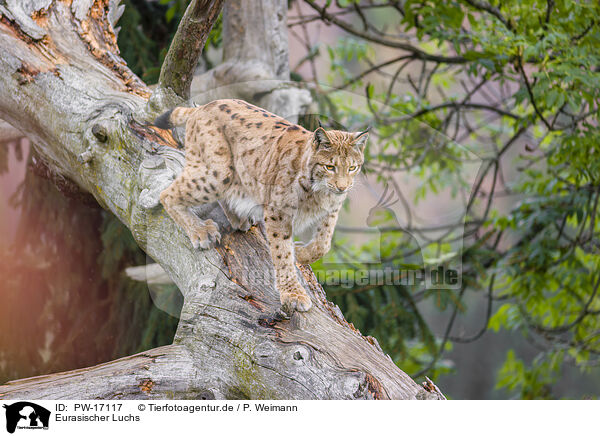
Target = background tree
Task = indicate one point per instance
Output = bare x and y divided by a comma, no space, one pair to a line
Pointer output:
517,84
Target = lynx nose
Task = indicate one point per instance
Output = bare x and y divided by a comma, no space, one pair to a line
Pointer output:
341,188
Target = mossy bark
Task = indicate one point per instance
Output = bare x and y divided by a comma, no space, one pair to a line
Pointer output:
185,50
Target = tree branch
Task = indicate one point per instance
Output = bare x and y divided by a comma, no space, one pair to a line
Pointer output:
249,71
455,105
491,10
182,58
418,53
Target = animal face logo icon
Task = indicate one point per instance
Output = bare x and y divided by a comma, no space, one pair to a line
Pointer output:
26,415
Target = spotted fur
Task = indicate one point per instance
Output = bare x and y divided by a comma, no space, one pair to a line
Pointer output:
260,166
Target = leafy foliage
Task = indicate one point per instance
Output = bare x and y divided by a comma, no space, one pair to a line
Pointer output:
146,32
516,83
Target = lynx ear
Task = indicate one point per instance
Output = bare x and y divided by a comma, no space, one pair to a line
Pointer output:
360,138
320,139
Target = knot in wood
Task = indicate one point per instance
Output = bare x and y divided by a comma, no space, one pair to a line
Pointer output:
100,132
205,394
300,355
86,157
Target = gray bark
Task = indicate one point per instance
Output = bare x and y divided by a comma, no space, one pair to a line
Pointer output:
79,103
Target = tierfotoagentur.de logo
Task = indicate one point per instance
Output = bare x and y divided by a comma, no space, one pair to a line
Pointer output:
26,416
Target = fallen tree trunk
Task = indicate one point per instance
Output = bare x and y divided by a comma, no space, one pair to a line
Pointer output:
65,87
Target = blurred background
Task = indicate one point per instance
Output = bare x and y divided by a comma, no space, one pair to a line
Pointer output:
483,160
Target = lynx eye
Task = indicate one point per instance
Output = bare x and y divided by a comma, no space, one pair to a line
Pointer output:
330,167
352,168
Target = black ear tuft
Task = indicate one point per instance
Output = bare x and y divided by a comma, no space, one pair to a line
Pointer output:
321,139
360,138
164,121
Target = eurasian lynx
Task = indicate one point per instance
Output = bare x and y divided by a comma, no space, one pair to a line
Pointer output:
259,166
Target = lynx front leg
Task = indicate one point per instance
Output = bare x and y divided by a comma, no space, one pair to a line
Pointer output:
320,243
279,233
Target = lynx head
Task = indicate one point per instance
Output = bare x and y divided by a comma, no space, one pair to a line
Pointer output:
336,159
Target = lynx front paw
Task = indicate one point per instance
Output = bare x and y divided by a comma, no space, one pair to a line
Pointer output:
307,254
205,233
295,300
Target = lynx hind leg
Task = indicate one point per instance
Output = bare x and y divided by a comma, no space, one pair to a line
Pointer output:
208,173
237,223
177,199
